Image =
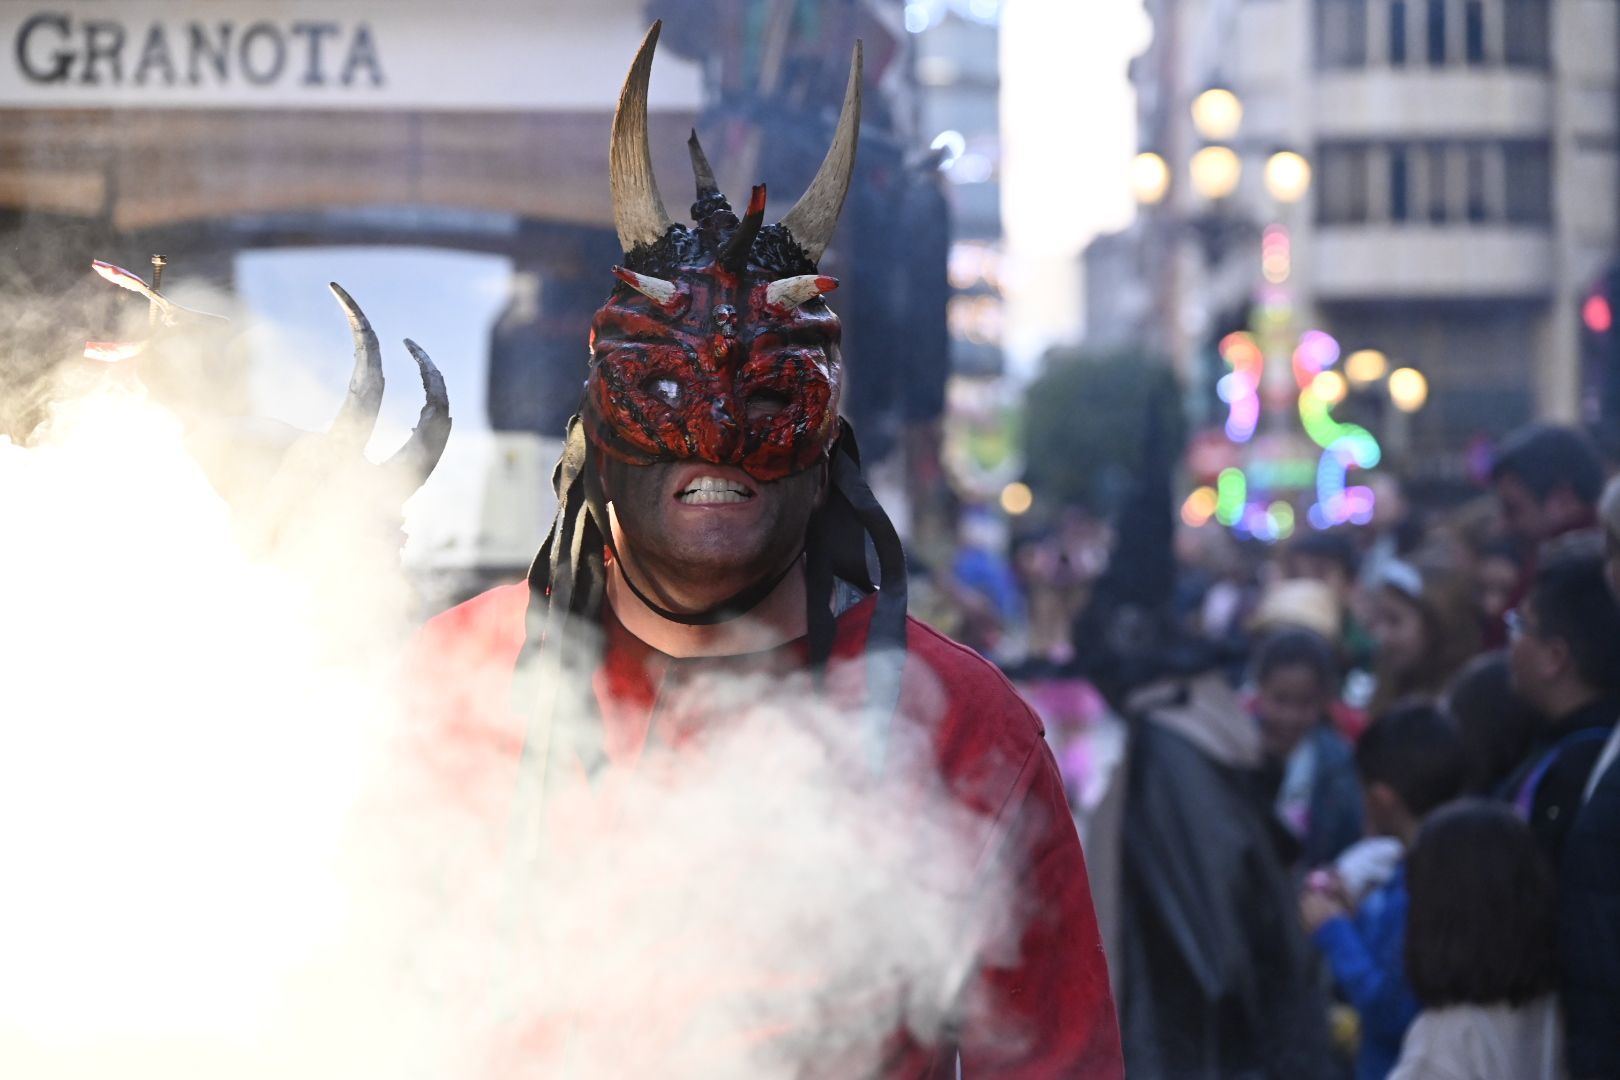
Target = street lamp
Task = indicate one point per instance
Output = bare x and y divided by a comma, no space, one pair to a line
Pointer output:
1150,178
1365,366
1215,172
1217,114
1408,389
1288,176
1329,386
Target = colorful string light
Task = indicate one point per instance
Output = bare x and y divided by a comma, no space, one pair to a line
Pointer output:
1231,493
1344,446
1240,388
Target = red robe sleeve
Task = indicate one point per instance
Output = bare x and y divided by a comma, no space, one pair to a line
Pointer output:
1046,1008
1051,1015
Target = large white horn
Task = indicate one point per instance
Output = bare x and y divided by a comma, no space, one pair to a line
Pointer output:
638,210
815,216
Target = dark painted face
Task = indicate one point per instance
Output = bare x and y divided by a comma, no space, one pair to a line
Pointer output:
715,373
682,541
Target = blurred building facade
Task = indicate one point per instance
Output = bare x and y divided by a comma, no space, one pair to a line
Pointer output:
958,104
1464,195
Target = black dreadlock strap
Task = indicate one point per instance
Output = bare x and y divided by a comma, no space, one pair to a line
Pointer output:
886,635
566,582
821,625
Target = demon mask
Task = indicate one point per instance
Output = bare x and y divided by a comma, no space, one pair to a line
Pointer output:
716,344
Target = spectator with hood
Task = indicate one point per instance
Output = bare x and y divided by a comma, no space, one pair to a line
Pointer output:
1213,977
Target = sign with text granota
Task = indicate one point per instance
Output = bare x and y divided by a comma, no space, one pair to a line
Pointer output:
385,54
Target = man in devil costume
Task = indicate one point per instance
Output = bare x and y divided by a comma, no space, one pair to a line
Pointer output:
711,511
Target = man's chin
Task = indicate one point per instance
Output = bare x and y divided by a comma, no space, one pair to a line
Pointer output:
709,572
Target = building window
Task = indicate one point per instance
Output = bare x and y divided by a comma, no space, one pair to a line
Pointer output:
1528,174
1474,31
1435,155
1435,28
1478,202
1397,33
1400,183
1341,33
1525,33
1342,196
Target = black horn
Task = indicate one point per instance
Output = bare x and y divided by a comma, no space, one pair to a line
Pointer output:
422,451
358,417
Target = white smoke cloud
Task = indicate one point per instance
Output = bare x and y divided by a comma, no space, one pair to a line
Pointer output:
229,853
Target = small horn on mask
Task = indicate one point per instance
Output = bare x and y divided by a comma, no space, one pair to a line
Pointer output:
638,209
815,216
169,313
661,292
734,256
702,172
358,416
422,451
789,293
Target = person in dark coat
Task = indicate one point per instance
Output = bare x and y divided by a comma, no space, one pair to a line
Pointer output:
1589,932
1589,891
1212,974
1566,637
1215,978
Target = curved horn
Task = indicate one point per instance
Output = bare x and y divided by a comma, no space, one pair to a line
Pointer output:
358,416
638,210
815,216
659,291
734,255
171,313
422,450
702,172
789,293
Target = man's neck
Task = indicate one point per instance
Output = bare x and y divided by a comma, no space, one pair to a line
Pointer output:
777,619
1565,701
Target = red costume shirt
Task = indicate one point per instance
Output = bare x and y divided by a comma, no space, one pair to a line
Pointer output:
1046,1012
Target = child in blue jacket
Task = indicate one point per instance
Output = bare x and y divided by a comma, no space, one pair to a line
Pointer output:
1410,762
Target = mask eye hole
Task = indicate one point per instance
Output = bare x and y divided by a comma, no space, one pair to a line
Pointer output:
663,388
763,404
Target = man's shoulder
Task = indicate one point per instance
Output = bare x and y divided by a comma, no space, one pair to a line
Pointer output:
1568,765
493,619
971,706
966,674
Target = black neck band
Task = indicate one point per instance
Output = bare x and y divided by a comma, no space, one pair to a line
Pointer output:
739,603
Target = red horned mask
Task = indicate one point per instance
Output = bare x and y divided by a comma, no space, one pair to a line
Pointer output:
716,344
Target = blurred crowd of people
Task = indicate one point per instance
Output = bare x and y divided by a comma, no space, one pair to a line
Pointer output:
1350,802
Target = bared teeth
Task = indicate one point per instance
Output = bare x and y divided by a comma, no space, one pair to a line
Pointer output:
700,498
714,489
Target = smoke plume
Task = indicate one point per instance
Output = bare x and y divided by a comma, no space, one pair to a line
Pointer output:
233,849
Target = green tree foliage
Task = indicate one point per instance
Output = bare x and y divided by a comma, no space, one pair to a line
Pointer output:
1084,420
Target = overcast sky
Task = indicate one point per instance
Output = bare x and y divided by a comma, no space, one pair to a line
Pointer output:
1069,133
